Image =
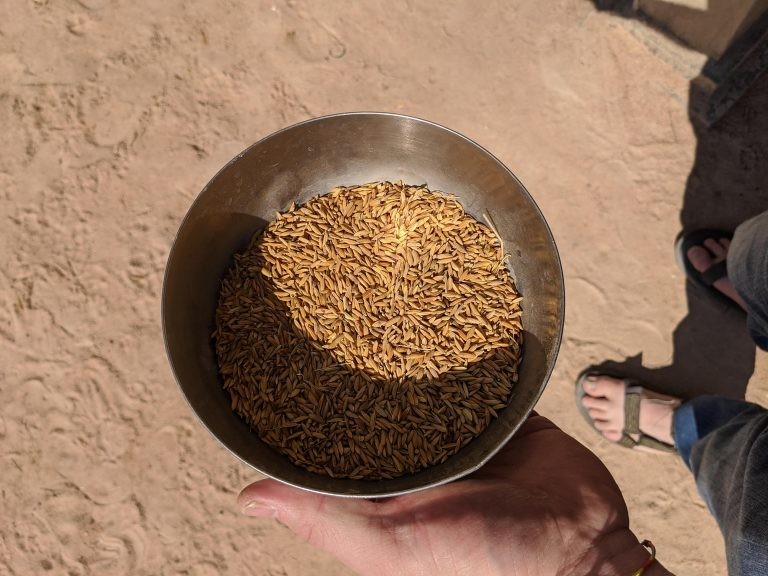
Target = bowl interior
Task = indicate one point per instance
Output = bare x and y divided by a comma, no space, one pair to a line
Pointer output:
309,159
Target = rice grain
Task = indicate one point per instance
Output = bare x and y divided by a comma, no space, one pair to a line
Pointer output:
371,332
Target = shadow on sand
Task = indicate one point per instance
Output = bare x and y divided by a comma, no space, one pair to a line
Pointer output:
713,354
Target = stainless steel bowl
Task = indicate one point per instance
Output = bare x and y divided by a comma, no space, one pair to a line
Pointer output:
308,159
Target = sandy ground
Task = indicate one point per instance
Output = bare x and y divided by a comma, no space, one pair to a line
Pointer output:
114,114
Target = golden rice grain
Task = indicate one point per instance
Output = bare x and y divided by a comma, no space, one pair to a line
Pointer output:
371,332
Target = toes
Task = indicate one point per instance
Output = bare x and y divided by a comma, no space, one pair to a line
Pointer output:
597,413
604,425
612,435
590,402
716,248
604,401
700,258
603,386
608,430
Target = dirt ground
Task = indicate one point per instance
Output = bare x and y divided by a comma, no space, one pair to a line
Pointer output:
114,114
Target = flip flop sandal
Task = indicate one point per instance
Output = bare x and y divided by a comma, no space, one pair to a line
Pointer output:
632,396
706,279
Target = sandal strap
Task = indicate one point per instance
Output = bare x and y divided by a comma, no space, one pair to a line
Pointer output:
626,441
632,398
652,443
714,273
646,442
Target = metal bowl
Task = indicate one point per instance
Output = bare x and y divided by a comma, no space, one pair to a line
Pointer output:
309,159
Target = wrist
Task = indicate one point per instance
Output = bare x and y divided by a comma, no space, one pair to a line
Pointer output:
616,554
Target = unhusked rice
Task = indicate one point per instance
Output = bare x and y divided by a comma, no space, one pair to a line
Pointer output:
371,332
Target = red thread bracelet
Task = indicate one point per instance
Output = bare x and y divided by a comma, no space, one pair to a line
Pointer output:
650,560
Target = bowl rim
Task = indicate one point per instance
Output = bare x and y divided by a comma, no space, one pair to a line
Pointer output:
387,493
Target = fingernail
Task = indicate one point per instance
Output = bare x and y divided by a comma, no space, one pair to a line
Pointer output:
258,508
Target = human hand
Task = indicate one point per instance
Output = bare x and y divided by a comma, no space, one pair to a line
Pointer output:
543,505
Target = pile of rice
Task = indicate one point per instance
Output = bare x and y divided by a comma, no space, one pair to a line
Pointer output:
371,332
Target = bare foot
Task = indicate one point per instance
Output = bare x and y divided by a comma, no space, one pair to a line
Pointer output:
704,257
604,400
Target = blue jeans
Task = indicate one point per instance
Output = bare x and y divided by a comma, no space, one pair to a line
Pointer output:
723,441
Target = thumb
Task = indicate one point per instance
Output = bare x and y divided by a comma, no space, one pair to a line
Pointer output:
345,527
